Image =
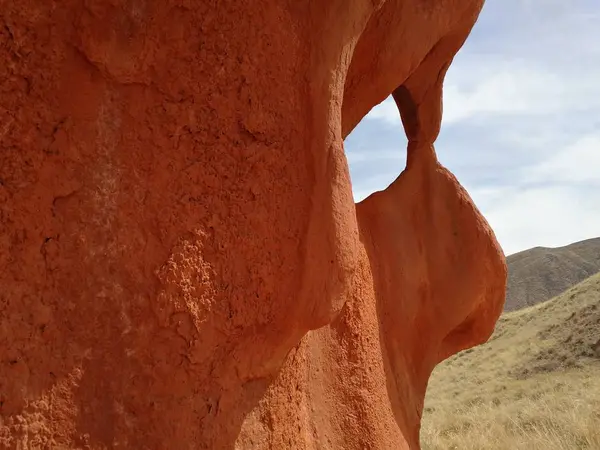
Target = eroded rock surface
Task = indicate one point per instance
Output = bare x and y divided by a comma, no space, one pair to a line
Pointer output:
181,261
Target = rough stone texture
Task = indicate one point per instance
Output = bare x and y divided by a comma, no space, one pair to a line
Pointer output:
176,215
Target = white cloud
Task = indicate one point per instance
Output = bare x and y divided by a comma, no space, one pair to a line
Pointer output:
379,155
510,90
506,88
553,203
546,216
576,163
386,111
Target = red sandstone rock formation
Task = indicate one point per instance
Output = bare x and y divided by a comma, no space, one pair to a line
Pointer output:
176,216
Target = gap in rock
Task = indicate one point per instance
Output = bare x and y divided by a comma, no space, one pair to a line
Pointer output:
376,150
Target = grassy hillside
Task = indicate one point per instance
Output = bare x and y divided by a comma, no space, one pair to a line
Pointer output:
535,385
539,274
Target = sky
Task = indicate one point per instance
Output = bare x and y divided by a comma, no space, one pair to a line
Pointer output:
521,126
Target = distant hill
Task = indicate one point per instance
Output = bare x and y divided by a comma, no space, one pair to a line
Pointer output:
540,273
533,385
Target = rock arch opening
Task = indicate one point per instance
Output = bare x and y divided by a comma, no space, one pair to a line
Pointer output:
376,150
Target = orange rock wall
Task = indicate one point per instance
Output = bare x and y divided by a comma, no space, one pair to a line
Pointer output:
176,216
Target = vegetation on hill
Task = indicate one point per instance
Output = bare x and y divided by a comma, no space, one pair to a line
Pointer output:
540,273
535,385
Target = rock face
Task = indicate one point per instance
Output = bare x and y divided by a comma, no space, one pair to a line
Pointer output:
181,261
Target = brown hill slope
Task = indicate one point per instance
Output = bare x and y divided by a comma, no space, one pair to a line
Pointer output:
538,274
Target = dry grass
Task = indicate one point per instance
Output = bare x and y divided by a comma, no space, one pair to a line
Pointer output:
535,385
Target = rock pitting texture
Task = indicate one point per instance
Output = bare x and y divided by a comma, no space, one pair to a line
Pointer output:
176,217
